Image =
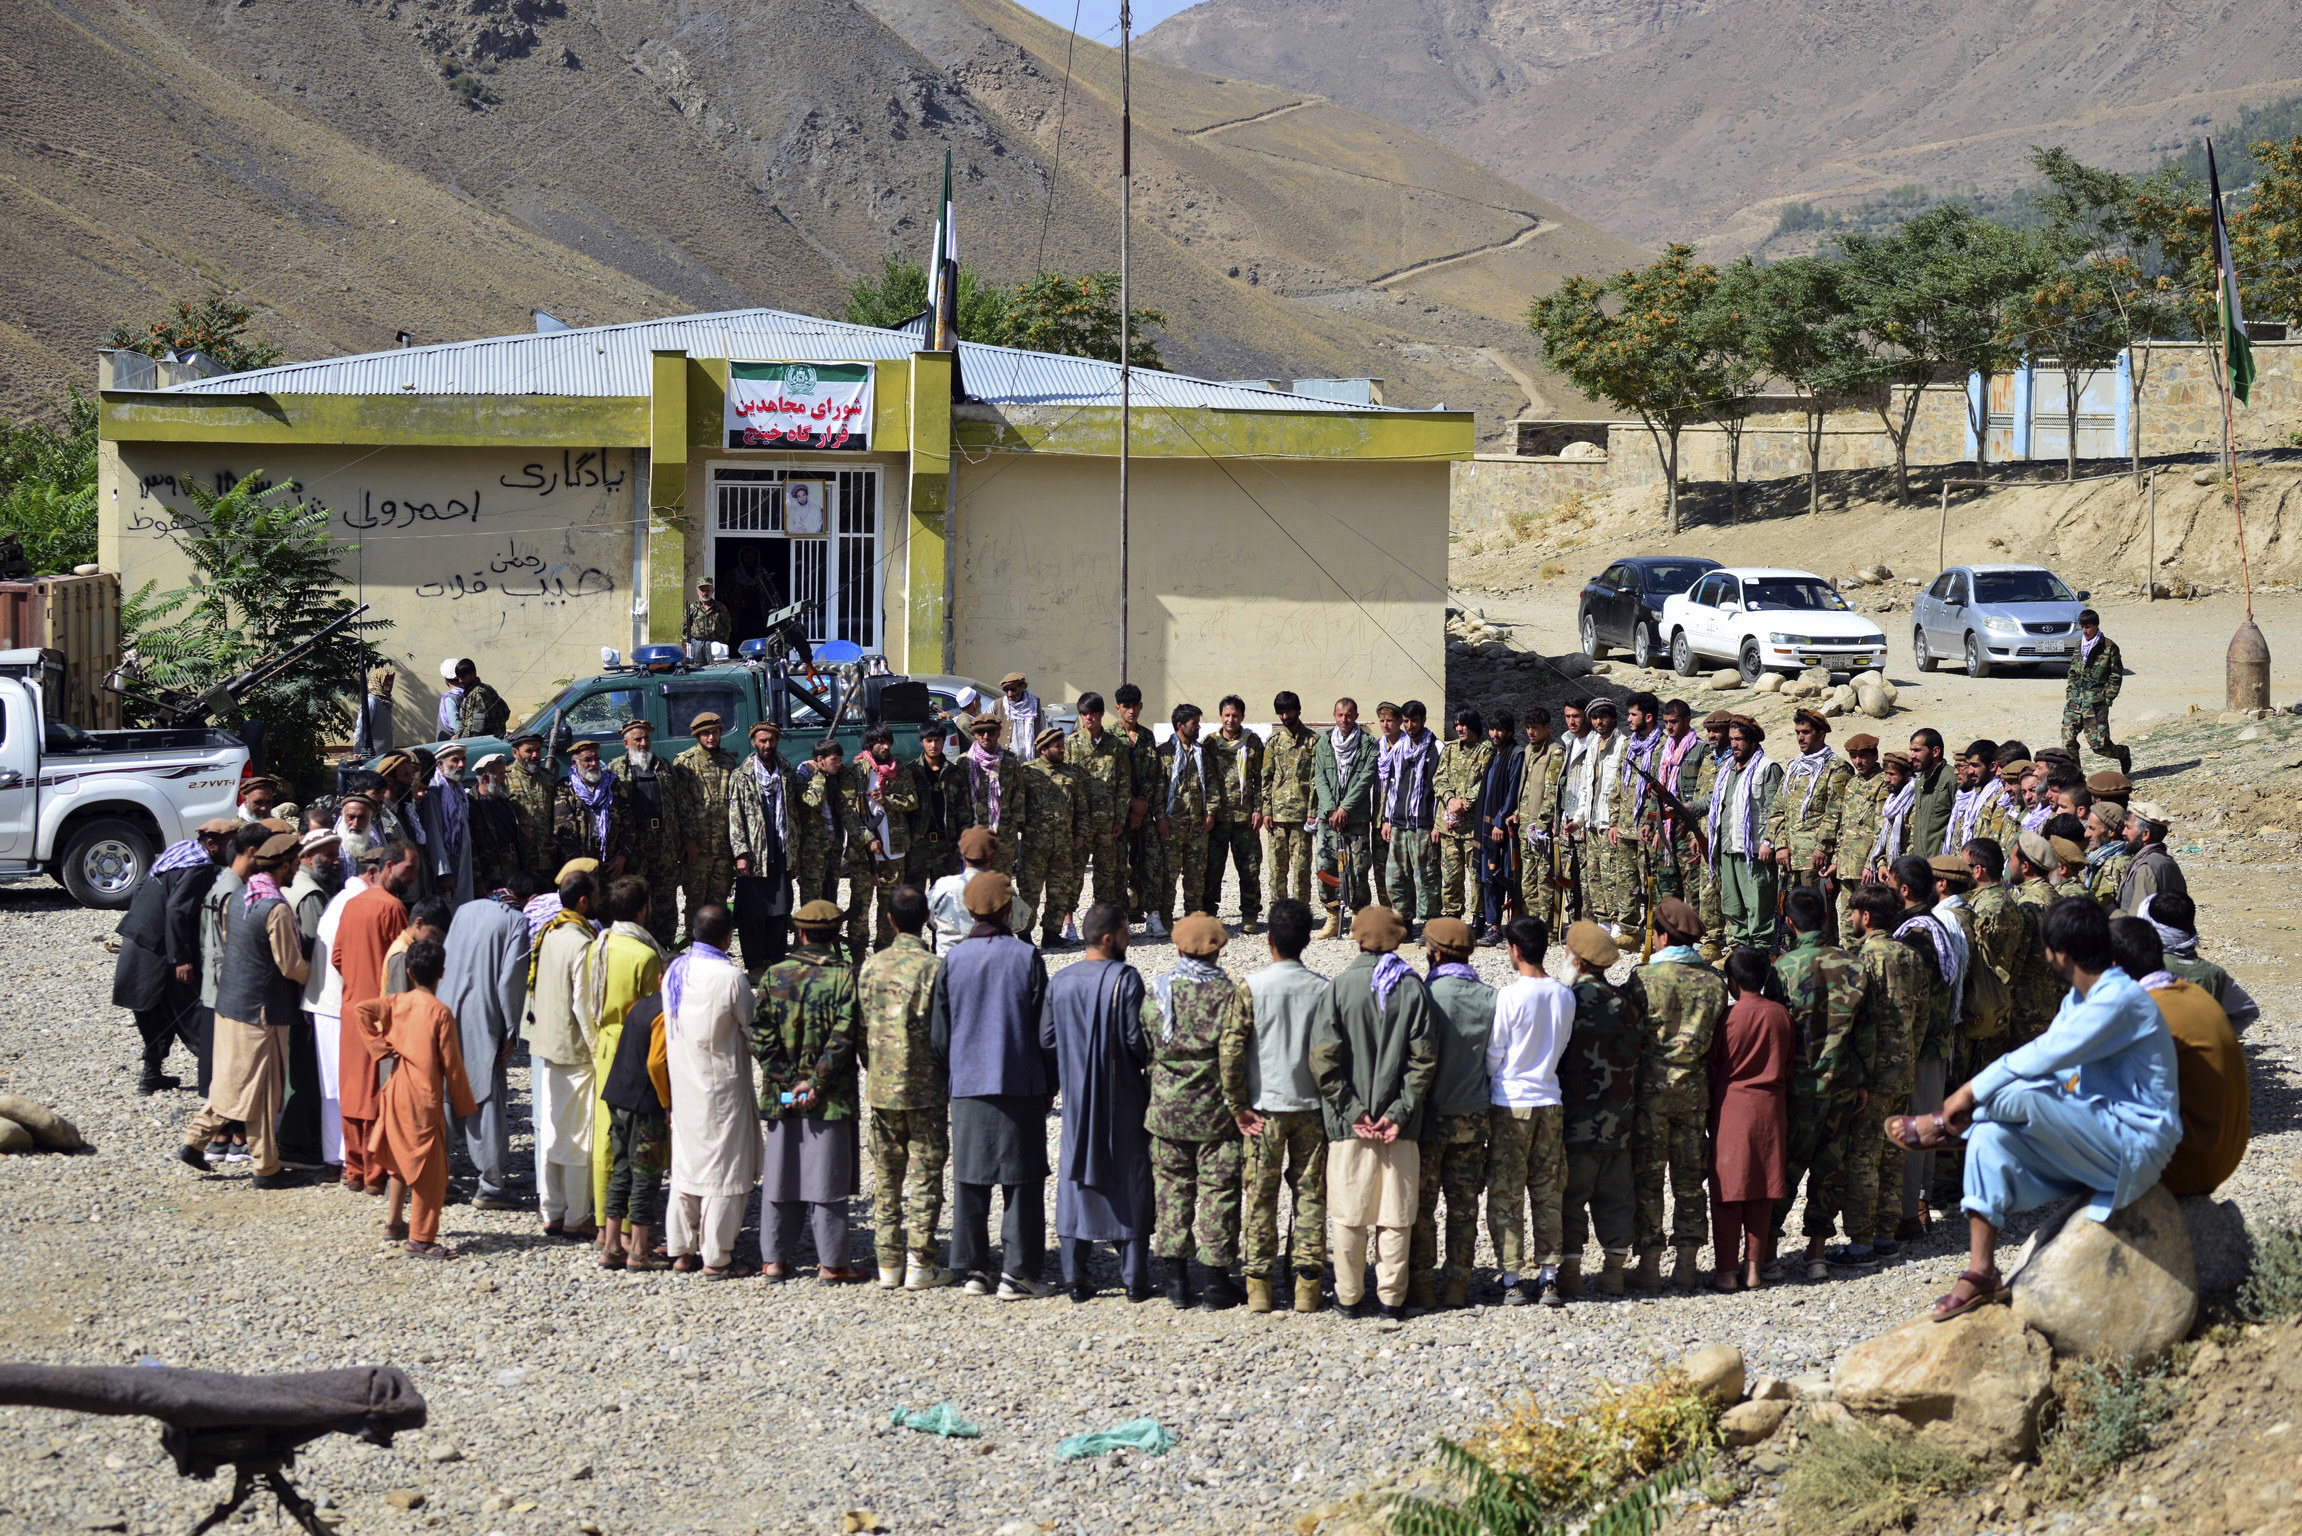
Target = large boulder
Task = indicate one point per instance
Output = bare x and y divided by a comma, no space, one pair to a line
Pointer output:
1717,1371
2220,1248
2126,1288
1871,699
52,1131
1754,1421
1725,678
1973,1385
14,1138
1770,682
1573,664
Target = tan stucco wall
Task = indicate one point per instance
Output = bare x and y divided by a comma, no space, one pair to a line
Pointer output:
1224,601
520,559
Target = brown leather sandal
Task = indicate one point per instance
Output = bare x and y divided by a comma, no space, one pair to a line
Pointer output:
611,1258
1987,1289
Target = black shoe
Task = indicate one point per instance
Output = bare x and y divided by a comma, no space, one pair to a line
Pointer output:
1886,1248
157,1082
1357,1311
284,1179
1179,1284
497,1203
1395,1314
1222,1294
1082,1291
310,1161
1139,1294
192,1157
1848,1256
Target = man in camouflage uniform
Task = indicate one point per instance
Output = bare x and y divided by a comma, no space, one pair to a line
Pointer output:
707,617
997,798
806,1035
827,827
1288,799
1198,1097
2006,934
2095,676
1895,989
1188,800
1541,859
1233,758
942,813
482,711
1343,776
701,773
886,795
1055,839
1145,879
1455,786
1861,809
1599,1089
2033,859
2107,853
1686,1002
1801,835
660,843
2002,818
1286,1138
1680,763
1825,990
1104,756
1599,815
1454,1149
910,1100
590,817
532,790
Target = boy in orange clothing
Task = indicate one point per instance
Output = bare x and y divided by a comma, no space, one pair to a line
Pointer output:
414,1035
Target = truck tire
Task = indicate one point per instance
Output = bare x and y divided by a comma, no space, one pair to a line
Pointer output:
103,861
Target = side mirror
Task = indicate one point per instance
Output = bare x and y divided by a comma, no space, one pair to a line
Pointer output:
2083,594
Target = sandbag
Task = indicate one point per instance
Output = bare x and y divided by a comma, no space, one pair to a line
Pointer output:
48,1128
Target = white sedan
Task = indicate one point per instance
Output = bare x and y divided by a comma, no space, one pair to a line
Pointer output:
1768,620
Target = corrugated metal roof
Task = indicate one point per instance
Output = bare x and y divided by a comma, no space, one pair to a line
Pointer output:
613,361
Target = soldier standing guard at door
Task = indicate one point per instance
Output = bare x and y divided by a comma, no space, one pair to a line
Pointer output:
707,617
658,844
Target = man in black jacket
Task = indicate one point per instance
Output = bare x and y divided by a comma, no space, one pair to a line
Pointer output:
158,974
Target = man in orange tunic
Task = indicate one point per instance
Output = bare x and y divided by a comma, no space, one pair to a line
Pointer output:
364,934
416,1034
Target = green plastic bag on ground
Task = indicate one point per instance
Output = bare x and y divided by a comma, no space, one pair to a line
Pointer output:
1134,1435
942,1419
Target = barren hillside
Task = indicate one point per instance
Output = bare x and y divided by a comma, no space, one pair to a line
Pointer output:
1698,121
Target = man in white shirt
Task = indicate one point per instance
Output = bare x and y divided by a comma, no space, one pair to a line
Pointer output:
1283,1125
946,898
715,1142
1526,1158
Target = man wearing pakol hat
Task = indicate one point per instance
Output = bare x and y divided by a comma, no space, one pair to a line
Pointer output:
805,1035
2107,855
707,618
1898,983
259,797
1186,801
1198,1096
1861,808
1742,797
2110,784
1017,712
1685,1002
2002,817
1598,1087
259,1001
1824,989
497,850
947,898
1801,836
2033,870
445,815
1102,753
532,791
1374,1055
1536,819
2094,678
701,775
1667,837
1058,828
941,781
910,1135
660,842
1453,1157
762,819
2152,868
998,799
481,711
985,1025
1235,763
884,796
2006,939
590,817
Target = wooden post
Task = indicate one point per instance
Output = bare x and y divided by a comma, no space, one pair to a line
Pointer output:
2150,571
1942,530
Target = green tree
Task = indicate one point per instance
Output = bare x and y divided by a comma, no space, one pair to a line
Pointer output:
48,486
1725,323
265,576
1079,317
899,294
2266,236
1647,356
1799,333
216,328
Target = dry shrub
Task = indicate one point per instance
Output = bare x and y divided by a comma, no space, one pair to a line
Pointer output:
1852,1484
2103,1413
1524,523
1551,570
1573,1460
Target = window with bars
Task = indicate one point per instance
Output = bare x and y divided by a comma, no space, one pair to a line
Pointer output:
840,584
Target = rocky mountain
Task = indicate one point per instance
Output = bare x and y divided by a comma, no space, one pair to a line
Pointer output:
1701,119
354,168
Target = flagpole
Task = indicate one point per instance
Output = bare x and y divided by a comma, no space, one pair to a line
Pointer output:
2246,667
1126,340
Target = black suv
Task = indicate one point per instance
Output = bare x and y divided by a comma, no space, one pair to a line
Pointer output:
1623,604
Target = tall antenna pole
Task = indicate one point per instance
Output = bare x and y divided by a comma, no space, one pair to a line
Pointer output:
1126,340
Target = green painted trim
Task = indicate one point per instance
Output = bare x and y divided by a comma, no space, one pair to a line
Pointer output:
707,402
666,580
667,429
1162,433
433,421
929,410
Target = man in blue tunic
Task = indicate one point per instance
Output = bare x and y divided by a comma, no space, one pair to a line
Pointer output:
1094,1025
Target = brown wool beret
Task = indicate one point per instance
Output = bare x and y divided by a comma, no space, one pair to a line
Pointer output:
278,846
977,845
1809,717
1717,720
1377,929
818,914
1451,934
2111,814
988,894
1586,940
1045,739
220,826
766,727
1199,936
1674,917
707,721
1862,743
260,781
2036,848
576,867
1950,869
2109,784
1899,759
2067,851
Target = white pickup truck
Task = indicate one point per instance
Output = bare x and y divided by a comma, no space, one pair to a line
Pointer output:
94,808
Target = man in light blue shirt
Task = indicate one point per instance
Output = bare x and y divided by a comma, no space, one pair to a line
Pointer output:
2088,1108
1283,1127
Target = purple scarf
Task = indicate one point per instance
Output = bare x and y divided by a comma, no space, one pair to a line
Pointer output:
598,799
675,982
1390,970
1450,968
983,769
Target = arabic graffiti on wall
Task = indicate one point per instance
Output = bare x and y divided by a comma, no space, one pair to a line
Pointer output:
518,573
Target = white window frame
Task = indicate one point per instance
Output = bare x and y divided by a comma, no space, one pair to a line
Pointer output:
817,469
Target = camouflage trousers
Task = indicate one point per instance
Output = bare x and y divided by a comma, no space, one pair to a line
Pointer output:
1048,877
1850,1193
1525,1162
817,870
707,878
1599,1180
1108,854
1454,1164
1145,880
909,1149
638,1157
1660,1137
928,862
1195,1185
1182,887
1816,1151
870,891
1287,851
1612,881
1875,1195
1366,887
1238,842
662,874
1538,895
2093,721
1458,874
1291,1150
1413,862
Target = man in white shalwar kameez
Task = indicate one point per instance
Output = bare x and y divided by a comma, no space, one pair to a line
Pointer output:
324,1008
715,1141
561,1091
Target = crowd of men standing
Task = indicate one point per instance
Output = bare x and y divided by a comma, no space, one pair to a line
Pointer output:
363,981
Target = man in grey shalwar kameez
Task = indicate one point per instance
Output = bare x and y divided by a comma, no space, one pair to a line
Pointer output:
1095,1026
984,1022
486,988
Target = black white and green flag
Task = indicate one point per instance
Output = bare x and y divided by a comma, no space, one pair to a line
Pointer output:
2235,346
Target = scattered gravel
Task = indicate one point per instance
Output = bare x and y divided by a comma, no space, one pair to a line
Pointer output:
566,1399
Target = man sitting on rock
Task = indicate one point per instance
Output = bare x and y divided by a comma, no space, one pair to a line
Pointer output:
2088,1108
2209,1066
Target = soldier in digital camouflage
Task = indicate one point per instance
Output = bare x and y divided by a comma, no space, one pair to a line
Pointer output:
1455,785
1599,1090
2096,674
1801,835
660,842
1185,800
1825,990
1686,1001
701,774
824,825
707,617
1106,758
1895,988
909,1099
532,790
1861,811
1289,799
1234,759
1454,1141
1198,1099
805,1031
1145,878
885,797
1048,871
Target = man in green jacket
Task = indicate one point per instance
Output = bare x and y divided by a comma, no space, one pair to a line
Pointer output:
1828,994
2094,678
1454,1152
1198,1096
1343,793
1936,795
1373,1056
1686,1001
1598,1088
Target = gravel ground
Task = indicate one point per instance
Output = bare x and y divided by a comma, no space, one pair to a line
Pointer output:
567,1399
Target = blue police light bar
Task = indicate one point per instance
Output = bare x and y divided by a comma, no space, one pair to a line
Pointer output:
838,653
650,657
753,650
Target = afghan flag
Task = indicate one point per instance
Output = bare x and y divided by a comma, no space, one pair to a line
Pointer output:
943,275
2235,346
